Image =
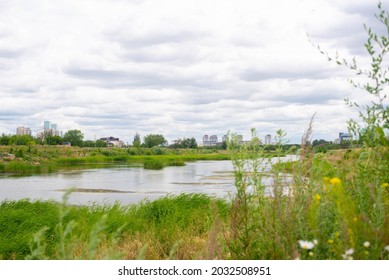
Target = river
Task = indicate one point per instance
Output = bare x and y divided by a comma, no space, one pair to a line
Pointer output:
122,183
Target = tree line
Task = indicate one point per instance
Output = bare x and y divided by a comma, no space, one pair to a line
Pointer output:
76,138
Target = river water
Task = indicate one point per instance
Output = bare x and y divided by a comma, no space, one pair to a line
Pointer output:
122,184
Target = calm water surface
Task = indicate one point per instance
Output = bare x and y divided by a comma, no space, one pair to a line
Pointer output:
122,184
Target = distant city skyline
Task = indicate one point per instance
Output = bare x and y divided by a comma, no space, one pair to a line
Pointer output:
181,68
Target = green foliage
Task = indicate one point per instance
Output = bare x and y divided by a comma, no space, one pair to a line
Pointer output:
185,143
154,164
50,139
19,140
75,137
136,143
47,230
152,140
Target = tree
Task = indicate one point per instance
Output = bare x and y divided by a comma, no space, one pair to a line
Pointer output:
75,137
136,142
100,143
152,140
317,142
375,116
52,139
185,143
5,139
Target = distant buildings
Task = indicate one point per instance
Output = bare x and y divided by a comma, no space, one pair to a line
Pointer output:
21,130
344,136
113,142
212,141
49,129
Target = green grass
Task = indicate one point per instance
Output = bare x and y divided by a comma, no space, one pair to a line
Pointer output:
40,159
157,225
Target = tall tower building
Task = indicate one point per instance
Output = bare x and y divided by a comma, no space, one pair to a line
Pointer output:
268,139
46,125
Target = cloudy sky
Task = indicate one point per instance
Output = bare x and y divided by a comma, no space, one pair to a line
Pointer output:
182,68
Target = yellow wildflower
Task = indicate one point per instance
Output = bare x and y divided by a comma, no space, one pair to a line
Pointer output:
326,180
385,185
317,197
330,241
335,181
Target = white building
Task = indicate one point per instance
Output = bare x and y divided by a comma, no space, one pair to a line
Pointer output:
21,130
113,142
211,141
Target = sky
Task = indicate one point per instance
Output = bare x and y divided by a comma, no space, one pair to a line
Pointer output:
181,68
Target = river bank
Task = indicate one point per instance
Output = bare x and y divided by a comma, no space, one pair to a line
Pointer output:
45,159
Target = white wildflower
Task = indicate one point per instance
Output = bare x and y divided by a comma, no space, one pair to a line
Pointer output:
306,245
386,248
366,244
349,251
347,254
315,241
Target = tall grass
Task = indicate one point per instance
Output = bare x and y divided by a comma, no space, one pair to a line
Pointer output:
49,230
335,207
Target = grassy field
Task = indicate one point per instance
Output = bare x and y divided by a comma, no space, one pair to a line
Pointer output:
333,206
172,227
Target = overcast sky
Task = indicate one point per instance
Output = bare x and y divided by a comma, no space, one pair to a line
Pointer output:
181,68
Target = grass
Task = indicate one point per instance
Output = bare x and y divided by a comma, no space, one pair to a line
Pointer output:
42,159
72,232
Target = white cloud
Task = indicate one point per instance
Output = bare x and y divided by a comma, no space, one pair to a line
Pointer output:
180,68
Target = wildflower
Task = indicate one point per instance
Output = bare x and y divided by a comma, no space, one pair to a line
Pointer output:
306,245
326,180
366,244
347,254
385,185
386,248
315,241
349,251
337,234
335,181
330,241
317,197
311,254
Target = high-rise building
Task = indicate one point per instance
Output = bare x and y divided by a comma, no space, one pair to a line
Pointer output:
213,138
49,129
21,130
46,125
268,139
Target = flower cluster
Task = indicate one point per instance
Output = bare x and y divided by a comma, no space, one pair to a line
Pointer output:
348,254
